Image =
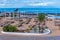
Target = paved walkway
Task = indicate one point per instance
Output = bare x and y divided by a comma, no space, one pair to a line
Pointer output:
7,37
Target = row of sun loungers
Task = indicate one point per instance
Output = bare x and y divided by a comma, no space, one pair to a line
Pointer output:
6,23
57,22
22,22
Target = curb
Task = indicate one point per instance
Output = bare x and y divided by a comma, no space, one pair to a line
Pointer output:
19,33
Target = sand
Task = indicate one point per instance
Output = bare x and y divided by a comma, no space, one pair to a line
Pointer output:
50,24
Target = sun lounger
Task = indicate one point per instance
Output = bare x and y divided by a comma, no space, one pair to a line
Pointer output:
19,25
1,25
57,23
27,22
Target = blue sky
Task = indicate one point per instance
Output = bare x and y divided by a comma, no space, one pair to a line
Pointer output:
29,3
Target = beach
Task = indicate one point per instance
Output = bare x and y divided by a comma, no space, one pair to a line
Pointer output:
50,24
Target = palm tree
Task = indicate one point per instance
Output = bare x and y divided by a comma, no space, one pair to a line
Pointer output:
41,17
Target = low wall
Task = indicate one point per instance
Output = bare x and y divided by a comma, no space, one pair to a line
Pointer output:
19,33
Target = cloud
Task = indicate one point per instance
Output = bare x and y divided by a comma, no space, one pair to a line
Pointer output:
2,2
28,3
41,4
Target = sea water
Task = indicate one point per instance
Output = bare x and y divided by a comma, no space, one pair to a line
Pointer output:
33,10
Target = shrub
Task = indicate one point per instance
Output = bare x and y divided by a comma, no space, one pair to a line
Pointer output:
27,30
5,28
30,28
41,31
35,28
9,28
42,28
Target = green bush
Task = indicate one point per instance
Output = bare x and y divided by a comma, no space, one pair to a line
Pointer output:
35,28
9,28
30,28
27,30
41,31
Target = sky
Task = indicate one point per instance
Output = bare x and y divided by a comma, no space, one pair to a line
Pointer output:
29,3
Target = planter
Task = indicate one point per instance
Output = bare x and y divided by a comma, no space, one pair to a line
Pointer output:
19,33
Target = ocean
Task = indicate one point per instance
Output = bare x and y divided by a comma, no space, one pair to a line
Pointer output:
34,10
